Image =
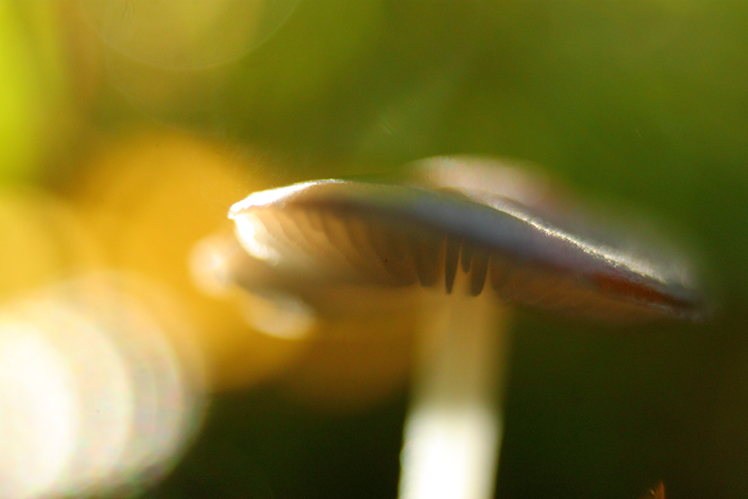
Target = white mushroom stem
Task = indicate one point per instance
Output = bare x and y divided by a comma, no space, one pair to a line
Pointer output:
454,426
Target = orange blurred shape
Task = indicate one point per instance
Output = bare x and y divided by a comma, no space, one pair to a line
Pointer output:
151,196
94,395
656,493
43,241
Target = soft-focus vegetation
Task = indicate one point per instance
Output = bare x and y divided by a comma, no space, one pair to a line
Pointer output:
128,128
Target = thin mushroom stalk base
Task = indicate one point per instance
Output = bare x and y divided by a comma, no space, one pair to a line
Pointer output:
454,426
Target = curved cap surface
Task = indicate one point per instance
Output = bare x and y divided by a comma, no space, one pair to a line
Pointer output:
334,232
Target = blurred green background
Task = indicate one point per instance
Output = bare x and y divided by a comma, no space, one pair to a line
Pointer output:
638,105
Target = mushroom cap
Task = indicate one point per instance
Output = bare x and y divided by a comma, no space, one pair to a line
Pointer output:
325,234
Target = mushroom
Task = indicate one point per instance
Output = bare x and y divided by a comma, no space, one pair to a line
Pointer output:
339,244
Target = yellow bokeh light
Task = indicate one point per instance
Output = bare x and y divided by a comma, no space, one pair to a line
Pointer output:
43,241
151,198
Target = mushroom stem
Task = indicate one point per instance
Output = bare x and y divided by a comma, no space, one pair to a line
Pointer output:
454,426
